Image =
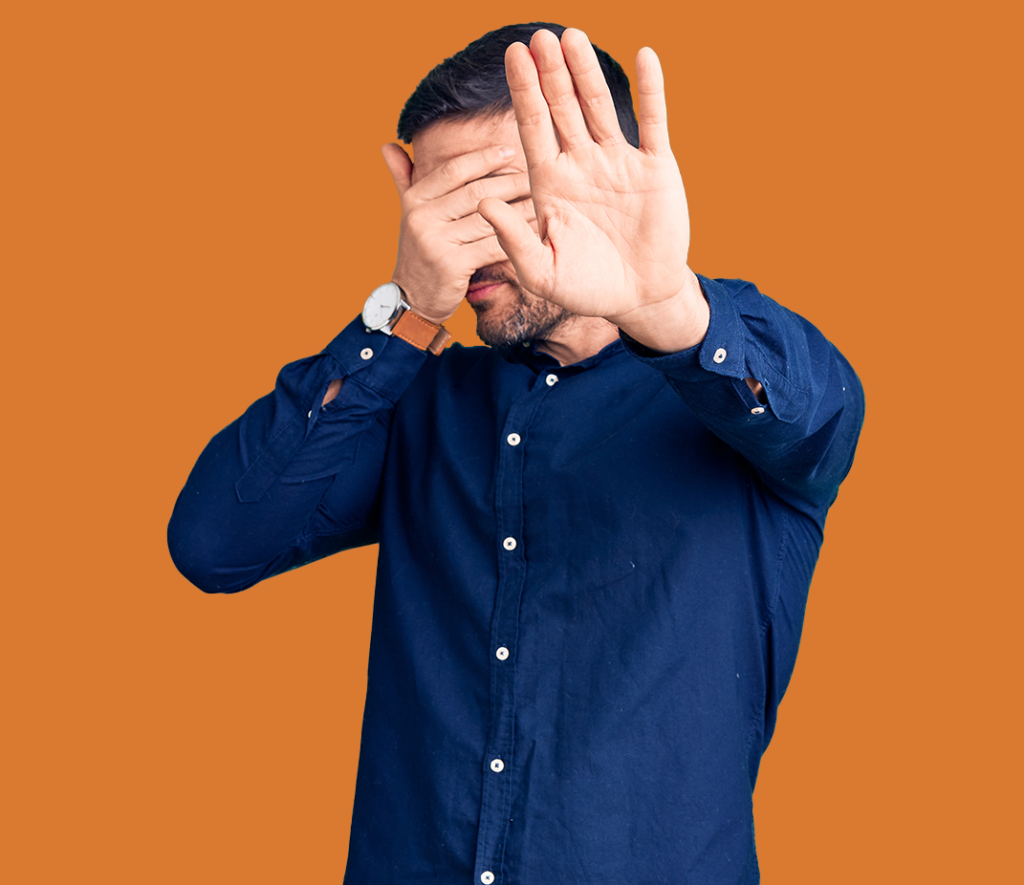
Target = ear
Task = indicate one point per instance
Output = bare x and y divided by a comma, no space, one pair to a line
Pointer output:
399,165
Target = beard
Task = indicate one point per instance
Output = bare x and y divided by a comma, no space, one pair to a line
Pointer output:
507,323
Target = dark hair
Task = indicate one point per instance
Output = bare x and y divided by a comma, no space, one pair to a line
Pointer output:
472,84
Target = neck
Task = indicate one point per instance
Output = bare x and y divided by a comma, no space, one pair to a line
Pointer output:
578,338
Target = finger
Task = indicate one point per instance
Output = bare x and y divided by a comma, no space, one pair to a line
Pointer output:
532,115
469,230
459,171
465,200
475,227
399,165
530,257
526,209
482,253
559,92
529,213
653,113
595,99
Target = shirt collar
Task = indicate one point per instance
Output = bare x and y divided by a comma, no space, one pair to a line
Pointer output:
529,356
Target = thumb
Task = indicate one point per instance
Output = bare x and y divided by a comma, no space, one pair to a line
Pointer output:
399,165
530,257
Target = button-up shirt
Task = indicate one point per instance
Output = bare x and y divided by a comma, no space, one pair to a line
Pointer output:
591,583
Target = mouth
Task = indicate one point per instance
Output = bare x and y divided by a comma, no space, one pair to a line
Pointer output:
480,291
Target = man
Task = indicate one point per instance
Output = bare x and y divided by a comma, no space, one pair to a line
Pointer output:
596,536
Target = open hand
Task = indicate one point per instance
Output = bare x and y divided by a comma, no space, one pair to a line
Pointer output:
613,224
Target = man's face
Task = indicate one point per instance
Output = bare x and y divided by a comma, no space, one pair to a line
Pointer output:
506,314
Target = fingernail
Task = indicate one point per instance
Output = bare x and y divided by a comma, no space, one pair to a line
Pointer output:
506,152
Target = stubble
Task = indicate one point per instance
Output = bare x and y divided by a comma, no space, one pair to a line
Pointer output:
508,322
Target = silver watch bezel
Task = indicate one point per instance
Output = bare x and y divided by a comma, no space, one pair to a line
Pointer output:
377,297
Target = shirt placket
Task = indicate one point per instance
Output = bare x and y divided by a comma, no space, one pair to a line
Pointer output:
499,771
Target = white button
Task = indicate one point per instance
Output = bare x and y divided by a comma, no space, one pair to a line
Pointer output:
510,543
513,439
757,410
501,654
497,765
487,877
366,353
552,380
310,415
720,355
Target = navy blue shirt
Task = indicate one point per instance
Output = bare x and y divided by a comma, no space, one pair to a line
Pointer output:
591,583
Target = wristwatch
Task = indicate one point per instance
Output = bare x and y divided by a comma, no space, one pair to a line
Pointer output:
387,311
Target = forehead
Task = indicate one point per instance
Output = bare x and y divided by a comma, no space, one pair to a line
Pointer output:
448,139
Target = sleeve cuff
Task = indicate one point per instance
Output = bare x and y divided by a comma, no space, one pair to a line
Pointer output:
384,363
291,437
722,351
749,336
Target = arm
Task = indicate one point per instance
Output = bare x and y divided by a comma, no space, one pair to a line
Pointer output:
613,240
296,478
801,425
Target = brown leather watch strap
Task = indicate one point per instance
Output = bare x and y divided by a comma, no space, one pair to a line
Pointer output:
420,333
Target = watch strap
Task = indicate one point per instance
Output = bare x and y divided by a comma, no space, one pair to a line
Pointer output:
420,333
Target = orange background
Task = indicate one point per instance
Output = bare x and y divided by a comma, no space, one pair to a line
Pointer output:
193,196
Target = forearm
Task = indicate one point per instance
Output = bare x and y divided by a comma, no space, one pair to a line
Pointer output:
676,324
296,477
768,383
333,389
222,544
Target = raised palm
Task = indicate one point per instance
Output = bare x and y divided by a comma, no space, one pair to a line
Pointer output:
613,223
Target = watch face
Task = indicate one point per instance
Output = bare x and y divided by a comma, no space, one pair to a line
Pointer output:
380,307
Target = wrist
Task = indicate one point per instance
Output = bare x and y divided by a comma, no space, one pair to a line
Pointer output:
437,319
675,324
387,310
421,306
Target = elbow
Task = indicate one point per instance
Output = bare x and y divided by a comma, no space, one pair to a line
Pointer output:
189,562
195,555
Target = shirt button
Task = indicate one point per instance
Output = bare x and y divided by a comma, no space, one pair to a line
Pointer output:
501,654
310,415
757,410
720,355
513,439
497,765
487,877
552,380
510,543
366,353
